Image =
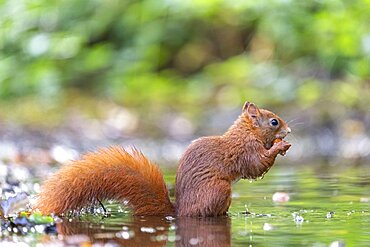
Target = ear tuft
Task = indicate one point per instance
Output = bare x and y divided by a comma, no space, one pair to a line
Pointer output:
245,107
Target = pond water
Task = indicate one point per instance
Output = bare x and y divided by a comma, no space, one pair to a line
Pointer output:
326,207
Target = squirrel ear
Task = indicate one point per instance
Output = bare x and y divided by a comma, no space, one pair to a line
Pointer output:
253,112
245,107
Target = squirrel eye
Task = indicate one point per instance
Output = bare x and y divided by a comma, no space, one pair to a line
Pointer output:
274,122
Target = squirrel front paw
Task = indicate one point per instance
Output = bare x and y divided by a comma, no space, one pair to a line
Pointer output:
282,146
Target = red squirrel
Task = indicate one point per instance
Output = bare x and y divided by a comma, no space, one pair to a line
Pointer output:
208,167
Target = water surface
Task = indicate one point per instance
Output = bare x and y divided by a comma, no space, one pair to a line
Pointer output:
326,207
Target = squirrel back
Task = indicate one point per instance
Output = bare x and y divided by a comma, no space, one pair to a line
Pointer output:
111,173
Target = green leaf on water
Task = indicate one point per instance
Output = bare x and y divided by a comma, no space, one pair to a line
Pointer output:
38,218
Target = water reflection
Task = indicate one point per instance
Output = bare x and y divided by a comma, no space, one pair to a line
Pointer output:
204,231
289,207
139,231
150,231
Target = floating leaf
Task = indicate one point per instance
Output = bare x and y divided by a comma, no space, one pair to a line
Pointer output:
38,218
24,214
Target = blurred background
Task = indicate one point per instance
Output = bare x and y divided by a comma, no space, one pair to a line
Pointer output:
78,74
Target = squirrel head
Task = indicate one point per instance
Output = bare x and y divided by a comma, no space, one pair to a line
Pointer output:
266,125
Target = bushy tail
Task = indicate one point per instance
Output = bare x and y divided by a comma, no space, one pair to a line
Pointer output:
110,173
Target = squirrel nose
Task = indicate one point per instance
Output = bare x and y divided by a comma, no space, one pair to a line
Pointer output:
288,130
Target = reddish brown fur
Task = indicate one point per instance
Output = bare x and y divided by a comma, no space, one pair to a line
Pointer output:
203,183
107,174
211,164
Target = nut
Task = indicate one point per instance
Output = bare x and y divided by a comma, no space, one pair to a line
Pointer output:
277,140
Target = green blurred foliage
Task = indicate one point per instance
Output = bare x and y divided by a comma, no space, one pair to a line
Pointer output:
185,55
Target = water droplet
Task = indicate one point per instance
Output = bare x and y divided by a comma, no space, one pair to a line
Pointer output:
170,218
173,227
58,220
329,215
40,228
194,241
125,234
173,238
235,195
147,229
337,244
161,238
299,219
267,227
